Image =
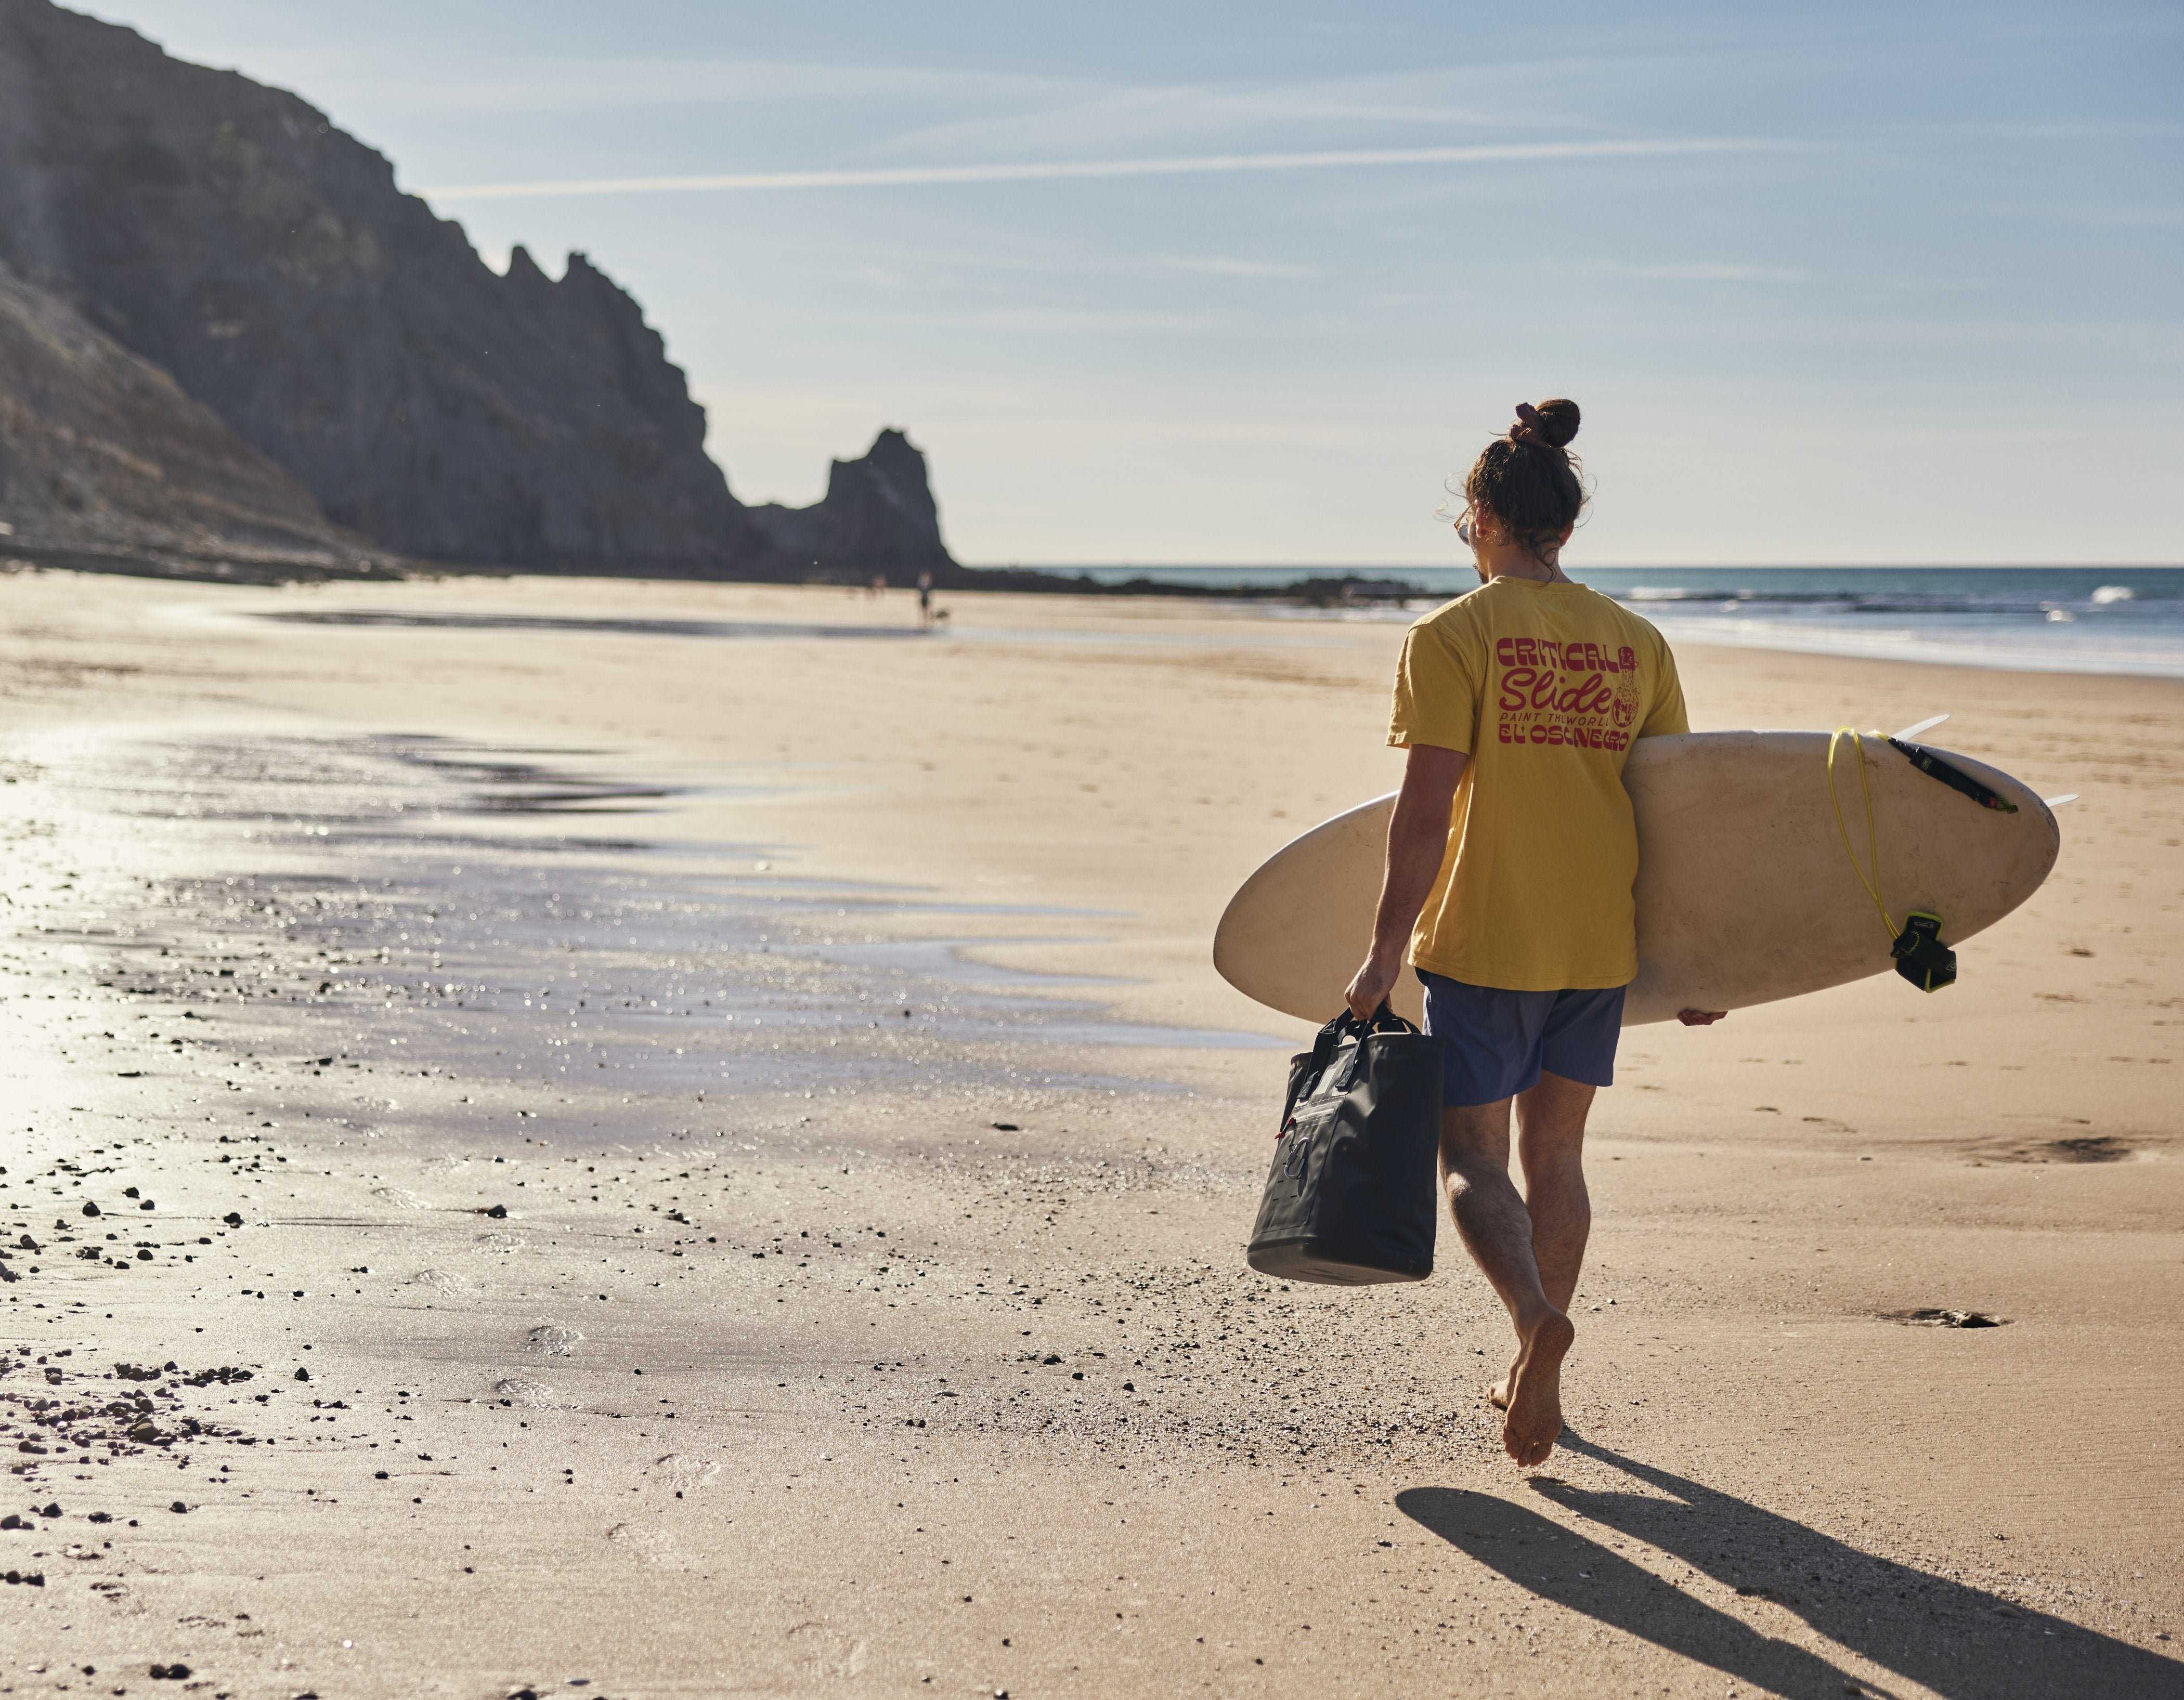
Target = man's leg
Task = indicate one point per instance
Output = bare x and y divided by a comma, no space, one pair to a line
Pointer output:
1551,1151
1497,1231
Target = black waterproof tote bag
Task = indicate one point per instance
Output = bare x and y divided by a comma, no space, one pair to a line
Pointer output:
1351,1198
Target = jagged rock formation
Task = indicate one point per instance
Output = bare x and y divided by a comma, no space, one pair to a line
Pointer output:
229,234
876,517
102,458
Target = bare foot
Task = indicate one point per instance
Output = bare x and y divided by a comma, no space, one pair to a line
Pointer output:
1535,1392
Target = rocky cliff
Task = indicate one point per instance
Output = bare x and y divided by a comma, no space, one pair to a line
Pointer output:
103,459
228,234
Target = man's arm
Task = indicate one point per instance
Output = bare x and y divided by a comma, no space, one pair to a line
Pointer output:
1417,840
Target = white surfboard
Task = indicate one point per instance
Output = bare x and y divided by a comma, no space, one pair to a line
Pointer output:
1745,894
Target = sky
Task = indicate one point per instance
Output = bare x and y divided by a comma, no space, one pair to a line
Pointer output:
1207,283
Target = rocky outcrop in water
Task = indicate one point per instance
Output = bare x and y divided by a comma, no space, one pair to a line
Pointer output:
231,236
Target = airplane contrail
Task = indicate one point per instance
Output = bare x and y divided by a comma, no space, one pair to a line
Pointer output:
1055,170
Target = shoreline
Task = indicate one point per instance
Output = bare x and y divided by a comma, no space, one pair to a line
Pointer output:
807,1371
1938,638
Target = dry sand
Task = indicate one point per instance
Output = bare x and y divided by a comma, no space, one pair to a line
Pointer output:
650,1352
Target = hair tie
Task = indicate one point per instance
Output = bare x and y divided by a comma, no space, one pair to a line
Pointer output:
1529,426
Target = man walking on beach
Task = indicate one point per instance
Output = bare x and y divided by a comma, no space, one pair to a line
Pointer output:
1511,858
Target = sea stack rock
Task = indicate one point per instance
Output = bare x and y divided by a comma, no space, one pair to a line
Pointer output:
876,517
229,235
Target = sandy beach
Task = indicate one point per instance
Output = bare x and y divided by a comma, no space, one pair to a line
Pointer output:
625,1139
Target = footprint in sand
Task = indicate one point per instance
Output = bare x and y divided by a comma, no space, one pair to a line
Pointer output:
553,1340
821,1650
533,1395
651,1545
444,1282
501,1242
682,1471
401,1197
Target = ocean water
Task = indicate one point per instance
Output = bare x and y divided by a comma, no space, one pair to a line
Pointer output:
2062,620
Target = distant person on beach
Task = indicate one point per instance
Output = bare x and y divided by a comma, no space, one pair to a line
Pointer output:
1511,858
925,600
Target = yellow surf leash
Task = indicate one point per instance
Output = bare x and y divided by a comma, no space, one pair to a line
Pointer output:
1872,825
1920,956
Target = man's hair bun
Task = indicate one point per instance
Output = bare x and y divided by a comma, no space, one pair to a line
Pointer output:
1536,498
1557,421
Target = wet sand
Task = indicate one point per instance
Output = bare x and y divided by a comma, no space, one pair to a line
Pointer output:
718,1150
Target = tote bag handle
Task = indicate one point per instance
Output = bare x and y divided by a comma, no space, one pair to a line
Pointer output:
1346,1025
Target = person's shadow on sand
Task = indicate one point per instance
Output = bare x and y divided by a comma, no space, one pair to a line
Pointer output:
1956,1640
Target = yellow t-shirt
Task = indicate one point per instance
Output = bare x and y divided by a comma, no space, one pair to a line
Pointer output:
1543,685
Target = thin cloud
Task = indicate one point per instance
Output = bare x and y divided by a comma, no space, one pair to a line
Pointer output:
1039,321
1141,116
1059,170
389,78
1216,266
2079,213
1707,271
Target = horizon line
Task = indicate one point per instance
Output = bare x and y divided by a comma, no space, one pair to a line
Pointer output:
1061,170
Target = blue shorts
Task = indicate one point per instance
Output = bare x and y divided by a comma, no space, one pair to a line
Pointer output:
1495,1042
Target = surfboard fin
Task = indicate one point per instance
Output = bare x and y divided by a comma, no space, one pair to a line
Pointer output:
2058,802
1956,779
1924,726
